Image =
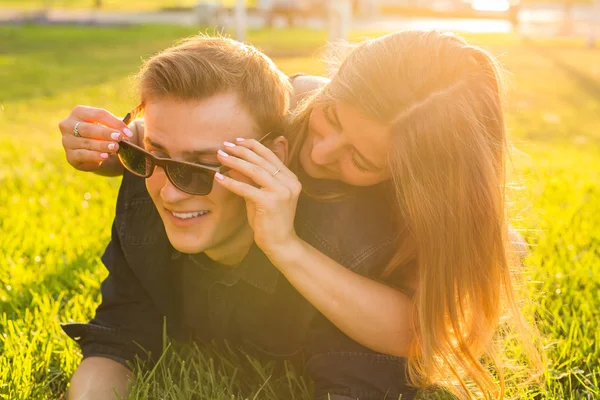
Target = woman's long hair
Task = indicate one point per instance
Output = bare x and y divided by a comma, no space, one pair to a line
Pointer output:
442,99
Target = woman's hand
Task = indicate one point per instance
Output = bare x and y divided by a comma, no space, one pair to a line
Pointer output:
100,133
271,204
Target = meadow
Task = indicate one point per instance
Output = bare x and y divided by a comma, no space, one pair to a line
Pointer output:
55,221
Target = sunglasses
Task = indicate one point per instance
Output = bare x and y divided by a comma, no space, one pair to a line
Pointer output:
191,178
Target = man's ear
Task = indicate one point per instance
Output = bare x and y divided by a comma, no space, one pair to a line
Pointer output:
280,147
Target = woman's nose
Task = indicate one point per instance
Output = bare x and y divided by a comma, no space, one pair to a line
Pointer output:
327,150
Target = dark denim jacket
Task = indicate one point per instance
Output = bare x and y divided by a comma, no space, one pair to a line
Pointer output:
255,307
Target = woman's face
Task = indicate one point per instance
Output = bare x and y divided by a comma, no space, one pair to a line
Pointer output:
342,144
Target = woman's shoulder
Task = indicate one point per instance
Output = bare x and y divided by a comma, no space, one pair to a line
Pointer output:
304,84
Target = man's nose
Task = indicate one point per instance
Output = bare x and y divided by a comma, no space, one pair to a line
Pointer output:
169,193
327,150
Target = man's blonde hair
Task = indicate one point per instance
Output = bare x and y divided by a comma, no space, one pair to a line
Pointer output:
202,66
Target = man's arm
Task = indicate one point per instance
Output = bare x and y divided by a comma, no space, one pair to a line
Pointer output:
126,326
99,378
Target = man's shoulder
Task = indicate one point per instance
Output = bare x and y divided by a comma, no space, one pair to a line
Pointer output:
137,219
351,229
139,242
132,192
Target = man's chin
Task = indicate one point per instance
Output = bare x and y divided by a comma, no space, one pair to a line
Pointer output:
187,245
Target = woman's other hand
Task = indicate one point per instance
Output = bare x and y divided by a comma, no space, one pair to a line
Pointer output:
90,137
271,201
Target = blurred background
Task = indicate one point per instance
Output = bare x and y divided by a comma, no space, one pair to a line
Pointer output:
528,17
55,221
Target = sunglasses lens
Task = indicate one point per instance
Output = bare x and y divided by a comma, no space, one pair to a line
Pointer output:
134,160
194,180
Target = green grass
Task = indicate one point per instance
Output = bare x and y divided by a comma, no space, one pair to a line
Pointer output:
54,221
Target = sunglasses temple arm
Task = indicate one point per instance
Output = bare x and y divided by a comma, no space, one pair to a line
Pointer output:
127,118
224,169
133,114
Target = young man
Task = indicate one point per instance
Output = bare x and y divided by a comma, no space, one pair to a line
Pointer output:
182,251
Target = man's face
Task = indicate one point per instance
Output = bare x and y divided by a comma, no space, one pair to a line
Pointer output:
215,223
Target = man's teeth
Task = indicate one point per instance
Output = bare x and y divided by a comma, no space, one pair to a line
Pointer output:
189,215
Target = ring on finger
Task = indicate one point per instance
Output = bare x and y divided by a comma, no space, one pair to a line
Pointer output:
76,129
276,172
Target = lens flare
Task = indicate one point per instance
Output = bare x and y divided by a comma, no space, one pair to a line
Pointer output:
491,5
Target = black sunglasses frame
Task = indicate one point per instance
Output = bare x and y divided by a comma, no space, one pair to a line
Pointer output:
165,162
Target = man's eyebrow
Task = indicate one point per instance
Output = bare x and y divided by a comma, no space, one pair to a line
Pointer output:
188,154
364,159
153,144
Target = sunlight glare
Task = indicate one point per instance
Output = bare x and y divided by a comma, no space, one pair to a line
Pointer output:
491,5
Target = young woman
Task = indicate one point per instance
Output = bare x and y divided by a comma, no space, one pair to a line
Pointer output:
421,113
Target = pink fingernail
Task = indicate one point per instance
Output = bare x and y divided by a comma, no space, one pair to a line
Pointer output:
221,152
228,144
115,135
127,132
111,146
239,139
104,155
219,176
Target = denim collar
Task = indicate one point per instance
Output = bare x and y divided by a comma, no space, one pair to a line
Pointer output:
255,269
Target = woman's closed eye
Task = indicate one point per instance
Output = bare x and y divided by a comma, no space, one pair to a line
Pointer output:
358,160
361,165
358,165
331,117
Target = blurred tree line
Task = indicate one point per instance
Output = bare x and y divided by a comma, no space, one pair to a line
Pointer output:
568,4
